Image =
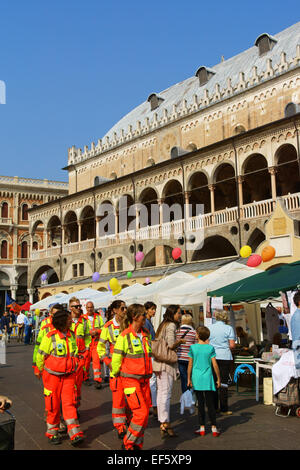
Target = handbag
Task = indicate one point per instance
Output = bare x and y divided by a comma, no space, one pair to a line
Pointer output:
161,351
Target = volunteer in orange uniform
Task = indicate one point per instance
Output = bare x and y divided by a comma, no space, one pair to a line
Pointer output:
95,325
131,361
45,327
109,334
57,361
80,326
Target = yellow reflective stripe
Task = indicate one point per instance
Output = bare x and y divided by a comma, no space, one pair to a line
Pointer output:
129,343
47,392
129,391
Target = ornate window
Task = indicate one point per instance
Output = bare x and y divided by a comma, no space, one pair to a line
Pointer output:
4,210
4,249
24,250
25,212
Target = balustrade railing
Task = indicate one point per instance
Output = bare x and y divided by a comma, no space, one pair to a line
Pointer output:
178,227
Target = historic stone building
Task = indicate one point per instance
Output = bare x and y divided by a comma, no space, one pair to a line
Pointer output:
227,138
17,196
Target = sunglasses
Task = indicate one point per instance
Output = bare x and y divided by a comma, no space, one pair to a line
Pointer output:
122,309
76,306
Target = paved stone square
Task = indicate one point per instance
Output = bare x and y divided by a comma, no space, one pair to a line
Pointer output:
251,427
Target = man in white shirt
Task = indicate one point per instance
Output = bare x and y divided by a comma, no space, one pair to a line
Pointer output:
20,323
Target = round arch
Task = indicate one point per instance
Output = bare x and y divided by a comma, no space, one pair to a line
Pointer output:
54,230
45,295
149,198
173,198
256,179
287,170
88,227
122,207
106,218
255,239
214,247
199,193
52,276
225,194
71,227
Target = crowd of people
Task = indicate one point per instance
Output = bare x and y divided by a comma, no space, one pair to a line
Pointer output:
19,325
74,349
140,383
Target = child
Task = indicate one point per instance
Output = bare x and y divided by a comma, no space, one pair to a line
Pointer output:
200,376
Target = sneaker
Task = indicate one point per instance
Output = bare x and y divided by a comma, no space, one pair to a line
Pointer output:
55,440
77,440
226,413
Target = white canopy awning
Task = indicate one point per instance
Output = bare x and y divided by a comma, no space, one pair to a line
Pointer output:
194,292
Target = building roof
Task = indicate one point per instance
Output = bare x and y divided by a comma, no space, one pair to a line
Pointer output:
244,62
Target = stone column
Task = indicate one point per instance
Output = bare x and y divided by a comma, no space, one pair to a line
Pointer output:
187,212
240,180
273,171
30,293
63,234
161,214
211,187
116,226
45,239
97,227
137,219
79,231
13,290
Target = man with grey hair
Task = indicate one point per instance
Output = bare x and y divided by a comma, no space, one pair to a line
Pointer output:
222,338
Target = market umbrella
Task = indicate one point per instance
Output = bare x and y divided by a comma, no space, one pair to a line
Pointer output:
266,285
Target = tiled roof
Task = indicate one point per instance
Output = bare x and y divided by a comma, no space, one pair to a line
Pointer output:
287,42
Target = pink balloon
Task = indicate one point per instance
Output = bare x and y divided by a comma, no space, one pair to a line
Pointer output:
139,256
254,260
147,280
176,253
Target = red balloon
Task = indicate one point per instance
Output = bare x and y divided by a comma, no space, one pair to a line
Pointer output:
254,260
176,253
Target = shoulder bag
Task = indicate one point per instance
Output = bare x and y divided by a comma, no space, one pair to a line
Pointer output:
161,351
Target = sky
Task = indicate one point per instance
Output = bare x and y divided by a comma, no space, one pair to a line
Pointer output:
72,69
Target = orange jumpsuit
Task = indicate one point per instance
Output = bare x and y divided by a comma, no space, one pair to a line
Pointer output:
131,361
57,361
110,333
83,339
93,355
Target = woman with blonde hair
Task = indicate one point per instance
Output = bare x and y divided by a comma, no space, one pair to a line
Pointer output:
222,338
187,332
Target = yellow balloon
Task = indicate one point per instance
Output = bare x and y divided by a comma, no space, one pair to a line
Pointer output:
245,251
37,311
115,286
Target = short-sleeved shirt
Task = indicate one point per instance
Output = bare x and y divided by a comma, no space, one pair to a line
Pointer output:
202,375
220,334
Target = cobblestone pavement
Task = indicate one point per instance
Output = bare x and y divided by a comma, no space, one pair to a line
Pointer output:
251,427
